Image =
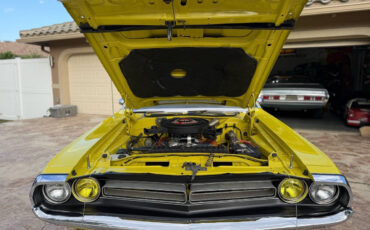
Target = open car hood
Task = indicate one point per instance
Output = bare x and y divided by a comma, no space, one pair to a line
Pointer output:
187,51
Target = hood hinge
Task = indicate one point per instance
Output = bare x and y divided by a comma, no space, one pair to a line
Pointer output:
128,119
250,116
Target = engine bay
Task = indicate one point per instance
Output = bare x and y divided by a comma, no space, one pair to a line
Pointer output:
191,135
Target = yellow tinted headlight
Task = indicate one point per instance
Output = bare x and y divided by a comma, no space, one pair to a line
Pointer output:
292,190
86,189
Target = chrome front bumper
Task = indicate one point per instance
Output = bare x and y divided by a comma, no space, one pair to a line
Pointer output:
108,222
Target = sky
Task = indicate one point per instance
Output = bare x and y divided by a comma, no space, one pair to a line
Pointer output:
16,15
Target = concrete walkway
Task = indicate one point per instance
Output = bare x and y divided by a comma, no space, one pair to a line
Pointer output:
27,146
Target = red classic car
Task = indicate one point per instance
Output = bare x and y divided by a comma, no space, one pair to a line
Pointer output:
358,112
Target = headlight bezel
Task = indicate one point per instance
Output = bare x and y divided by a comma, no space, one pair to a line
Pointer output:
82,199
52,201
330,201
295,201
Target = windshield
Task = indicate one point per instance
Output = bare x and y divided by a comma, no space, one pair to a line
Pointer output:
194,113
361,105
191,109
288,79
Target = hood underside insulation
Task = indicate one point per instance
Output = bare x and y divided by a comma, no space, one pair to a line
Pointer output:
201,72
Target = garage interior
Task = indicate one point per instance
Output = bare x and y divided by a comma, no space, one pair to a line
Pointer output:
343,71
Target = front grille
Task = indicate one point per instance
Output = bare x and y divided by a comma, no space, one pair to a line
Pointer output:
197,192
231,191
146,191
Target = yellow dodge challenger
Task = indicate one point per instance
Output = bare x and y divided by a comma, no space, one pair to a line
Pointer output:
191,149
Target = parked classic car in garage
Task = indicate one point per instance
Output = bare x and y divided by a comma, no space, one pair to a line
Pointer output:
294,93
190,150
357,112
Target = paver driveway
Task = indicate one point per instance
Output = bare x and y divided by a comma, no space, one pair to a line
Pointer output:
27,146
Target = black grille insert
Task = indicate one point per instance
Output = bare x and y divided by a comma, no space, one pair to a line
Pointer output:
231,191
159,192
146,191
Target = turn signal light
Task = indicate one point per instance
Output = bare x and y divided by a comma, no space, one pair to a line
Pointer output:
86,190
292,190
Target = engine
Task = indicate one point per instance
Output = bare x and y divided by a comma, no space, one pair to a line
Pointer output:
190,135
182,132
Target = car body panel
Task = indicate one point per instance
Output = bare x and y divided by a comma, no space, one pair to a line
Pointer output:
358,117
282,140
262,41
131,12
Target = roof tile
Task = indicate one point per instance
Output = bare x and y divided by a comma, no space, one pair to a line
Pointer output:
62,28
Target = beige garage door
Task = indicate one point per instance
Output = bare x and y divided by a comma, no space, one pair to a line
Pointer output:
90,86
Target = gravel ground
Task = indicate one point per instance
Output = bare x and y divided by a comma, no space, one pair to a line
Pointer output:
27,146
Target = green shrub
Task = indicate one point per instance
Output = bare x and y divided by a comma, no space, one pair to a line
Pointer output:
7,55
10,55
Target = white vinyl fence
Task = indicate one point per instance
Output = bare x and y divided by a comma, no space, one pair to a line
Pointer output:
25,88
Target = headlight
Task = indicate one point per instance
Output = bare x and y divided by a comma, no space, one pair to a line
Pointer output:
292,190
86,189
323,193
56,193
